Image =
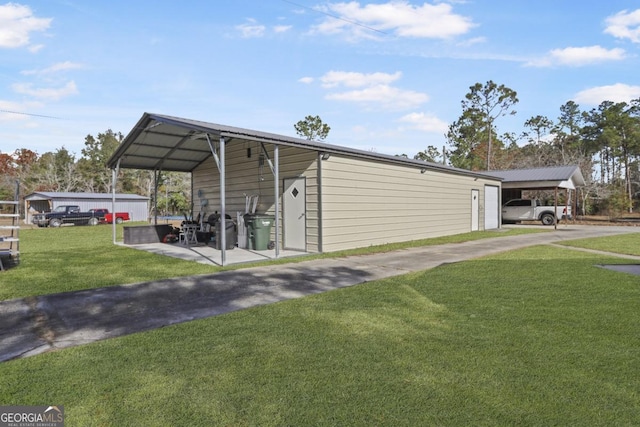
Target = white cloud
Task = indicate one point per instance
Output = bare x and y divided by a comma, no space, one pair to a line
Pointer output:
282,28
618,92
382,97
371,90
425,122
578,56
60,66
17,23
624,25
472,41
352,79
251,29
51,94
35,48
398,17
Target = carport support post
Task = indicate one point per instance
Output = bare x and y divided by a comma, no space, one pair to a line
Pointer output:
156,179
223,207
276,193
555,209
114,178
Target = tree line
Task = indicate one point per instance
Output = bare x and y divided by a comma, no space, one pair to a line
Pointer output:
604,142
63,171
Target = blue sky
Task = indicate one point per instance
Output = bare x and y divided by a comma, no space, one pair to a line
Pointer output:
387,76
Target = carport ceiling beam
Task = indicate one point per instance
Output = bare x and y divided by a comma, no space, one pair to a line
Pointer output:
266,155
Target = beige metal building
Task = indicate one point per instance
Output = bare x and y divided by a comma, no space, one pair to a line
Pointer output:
328,197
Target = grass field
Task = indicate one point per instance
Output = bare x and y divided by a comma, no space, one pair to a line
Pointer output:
534,337
628,244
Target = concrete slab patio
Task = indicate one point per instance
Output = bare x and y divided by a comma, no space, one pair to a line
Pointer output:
35,325
206,254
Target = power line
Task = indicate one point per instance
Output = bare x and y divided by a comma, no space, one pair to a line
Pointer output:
336,17
29,114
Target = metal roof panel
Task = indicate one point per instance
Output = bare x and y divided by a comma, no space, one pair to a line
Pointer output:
154,133
540,177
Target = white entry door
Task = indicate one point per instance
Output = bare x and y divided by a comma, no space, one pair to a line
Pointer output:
475,210
295,213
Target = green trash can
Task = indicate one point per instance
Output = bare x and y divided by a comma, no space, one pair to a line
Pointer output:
259,228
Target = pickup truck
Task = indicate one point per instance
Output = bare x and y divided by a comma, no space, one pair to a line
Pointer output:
532,210
105,216
66,214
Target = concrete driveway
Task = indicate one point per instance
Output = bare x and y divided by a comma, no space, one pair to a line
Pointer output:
35,325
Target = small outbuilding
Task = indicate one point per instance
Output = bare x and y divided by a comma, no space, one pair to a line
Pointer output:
44,201
566,179
322,197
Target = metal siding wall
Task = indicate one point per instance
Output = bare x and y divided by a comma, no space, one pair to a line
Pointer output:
246,176
369,203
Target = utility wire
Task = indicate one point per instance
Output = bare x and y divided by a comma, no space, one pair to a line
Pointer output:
29,114
336,17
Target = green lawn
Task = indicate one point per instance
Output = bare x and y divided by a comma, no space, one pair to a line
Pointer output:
534,337
73,258
628,244
65,259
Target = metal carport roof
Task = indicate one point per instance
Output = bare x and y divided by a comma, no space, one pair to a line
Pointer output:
160,142
568,177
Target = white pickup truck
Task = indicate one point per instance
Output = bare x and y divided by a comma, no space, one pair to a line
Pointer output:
532,210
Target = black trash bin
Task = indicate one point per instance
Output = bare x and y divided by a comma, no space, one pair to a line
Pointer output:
231,235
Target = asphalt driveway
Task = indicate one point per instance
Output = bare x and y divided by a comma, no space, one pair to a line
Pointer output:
35,325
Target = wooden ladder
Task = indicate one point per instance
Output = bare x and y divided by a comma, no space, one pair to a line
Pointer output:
10,233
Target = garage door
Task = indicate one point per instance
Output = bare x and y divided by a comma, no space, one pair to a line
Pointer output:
491,207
